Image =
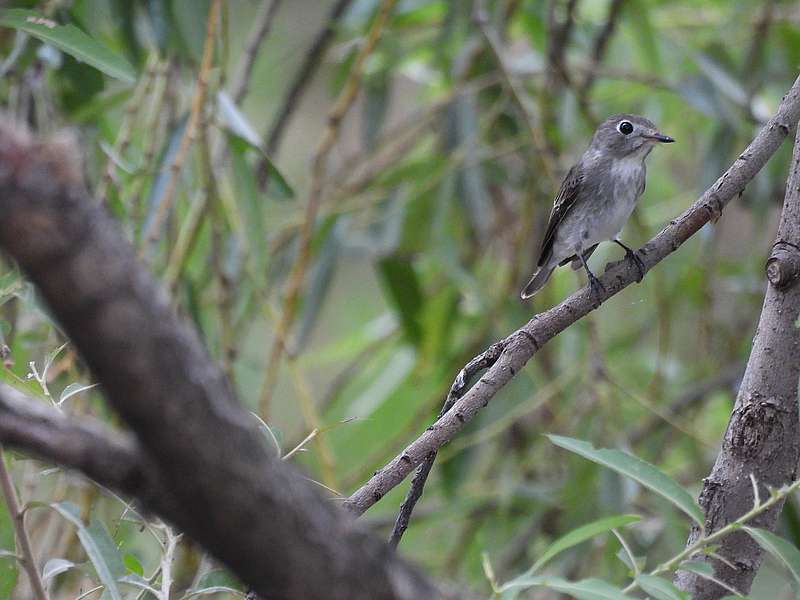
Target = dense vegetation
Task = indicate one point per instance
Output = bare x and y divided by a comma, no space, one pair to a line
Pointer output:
343,262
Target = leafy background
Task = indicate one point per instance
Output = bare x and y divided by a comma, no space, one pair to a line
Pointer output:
434,201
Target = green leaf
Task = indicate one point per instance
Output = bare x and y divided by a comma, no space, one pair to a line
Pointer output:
216,589
581,534
99,547
660,589
638,470
55,566
402,286
587,589
781,549
69,39
133,564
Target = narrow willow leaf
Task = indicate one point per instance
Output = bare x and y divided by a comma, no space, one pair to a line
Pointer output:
587,589
99,547
781,549
581,534
660,589
638,470
69,39
54,566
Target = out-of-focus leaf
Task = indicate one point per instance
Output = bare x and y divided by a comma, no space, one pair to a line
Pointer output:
778,547
69,39
139,582
99,547
72,389
581,534
377,92
724,81
320,277
55,566
638,470
403,289
471,186
587,589
133,565
659,588
646,35
216,589
218,578
238,125
189,21
249,202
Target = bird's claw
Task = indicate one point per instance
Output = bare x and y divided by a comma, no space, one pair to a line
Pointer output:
597,289
638,262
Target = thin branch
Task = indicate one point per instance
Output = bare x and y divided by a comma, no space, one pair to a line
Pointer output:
305,74
24,542
318,172
521,345
261,28
153,228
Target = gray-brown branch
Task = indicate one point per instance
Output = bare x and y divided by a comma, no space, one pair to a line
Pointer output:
232,495
521,345
763,435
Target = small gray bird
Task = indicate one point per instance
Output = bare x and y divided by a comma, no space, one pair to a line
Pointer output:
597,197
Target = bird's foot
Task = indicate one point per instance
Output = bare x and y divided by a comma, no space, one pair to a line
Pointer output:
597,289
632,255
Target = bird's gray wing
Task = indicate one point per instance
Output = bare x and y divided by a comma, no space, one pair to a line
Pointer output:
563,203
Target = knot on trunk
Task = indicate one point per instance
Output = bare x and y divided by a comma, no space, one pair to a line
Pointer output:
783,265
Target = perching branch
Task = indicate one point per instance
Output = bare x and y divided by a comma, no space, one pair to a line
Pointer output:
231,493
763,436
522,344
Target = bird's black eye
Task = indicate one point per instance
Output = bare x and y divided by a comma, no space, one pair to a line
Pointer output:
624,127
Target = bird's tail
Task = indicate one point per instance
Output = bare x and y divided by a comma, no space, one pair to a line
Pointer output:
537,282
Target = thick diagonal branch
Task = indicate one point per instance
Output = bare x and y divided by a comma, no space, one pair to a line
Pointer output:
763,436
525,342
235,497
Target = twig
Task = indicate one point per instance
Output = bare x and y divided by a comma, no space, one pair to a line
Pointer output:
305,74
170,545
261,27
18,516
522,344
483,361
672,563
318,170
153,229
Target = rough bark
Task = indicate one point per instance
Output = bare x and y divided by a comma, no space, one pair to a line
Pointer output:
232,495
763,435
521,345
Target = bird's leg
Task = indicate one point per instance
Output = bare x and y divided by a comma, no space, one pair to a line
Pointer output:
594,283
631,254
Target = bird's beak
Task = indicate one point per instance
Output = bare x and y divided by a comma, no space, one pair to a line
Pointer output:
660,137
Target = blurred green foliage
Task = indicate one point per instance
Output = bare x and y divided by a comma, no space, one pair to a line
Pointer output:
434,202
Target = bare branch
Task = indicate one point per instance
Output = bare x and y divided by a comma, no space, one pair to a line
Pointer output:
521,345
762,441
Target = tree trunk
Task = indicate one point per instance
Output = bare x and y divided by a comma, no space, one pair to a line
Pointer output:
762,439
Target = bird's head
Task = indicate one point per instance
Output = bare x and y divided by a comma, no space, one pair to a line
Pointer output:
625,135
